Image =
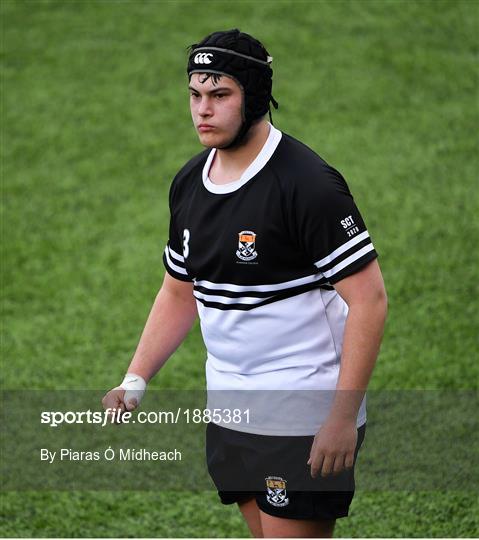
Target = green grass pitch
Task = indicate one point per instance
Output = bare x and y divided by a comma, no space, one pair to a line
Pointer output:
95,123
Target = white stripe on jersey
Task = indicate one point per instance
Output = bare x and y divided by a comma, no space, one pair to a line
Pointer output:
341,249
228,300
258,288
172,265
348,261
176,255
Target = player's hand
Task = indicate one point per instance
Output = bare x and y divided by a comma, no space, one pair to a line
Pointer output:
115,399
333,448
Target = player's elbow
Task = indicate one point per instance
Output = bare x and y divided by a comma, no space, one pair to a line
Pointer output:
382,301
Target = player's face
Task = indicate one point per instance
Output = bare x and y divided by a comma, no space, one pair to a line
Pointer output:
216,109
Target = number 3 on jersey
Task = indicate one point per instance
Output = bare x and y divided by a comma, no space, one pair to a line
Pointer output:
186,239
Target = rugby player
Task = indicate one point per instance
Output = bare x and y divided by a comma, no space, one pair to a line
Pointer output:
267,246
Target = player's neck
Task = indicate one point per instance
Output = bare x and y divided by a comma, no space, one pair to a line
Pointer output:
230,164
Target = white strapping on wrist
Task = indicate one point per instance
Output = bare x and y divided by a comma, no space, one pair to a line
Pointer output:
134,386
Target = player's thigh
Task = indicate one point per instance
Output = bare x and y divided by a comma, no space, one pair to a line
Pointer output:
250,512
278,527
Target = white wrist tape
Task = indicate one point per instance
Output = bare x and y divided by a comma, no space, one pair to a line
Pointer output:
135,387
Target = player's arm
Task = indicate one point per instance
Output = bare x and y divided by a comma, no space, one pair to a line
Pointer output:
365,294
170,319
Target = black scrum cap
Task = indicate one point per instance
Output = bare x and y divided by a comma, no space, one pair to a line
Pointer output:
244,59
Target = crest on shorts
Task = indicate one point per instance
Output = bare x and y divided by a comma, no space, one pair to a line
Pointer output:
276,491
247,246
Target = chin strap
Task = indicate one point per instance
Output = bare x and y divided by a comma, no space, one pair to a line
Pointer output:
239,136
246,125
275,105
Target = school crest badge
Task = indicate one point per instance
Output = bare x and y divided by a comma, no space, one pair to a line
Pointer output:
246,246
276,491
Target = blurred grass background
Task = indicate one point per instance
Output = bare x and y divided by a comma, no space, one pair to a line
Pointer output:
95,123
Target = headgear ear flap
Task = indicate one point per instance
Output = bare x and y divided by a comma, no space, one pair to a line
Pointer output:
244,59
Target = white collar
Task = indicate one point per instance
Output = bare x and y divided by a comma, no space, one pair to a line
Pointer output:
259,162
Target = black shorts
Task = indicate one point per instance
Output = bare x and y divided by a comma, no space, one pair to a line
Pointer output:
274,471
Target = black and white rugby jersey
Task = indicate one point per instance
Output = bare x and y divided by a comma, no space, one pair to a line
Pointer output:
263,253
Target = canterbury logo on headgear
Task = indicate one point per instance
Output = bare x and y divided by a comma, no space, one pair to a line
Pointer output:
203,58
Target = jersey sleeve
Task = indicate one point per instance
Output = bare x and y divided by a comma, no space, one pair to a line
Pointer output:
330,228
173,258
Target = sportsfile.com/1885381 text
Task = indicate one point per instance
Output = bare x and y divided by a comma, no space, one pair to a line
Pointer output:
116,416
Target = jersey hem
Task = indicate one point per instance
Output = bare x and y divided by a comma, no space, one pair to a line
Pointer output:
282,432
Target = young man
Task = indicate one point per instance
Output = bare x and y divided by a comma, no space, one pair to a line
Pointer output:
267,246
